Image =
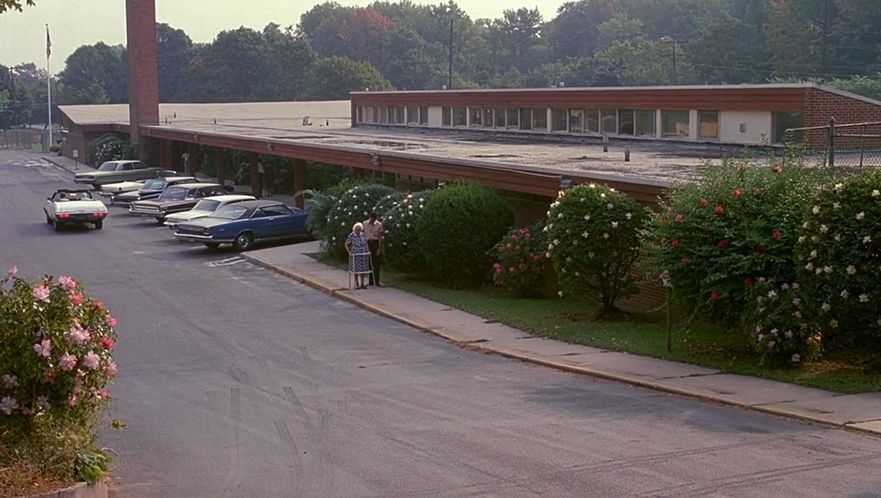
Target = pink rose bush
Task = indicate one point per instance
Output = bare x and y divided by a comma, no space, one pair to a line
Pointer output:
521,264
56,348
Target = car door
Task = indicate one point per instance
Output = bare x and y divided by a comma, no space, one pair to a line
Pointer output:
289,221
259,224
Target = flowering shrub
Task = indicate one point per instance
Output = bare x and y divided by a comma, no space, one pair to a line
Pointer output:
738,222
386,204
520,264
460,224
399,244
353,206
593,241
839,258
320,203
56,359
110,147
783,332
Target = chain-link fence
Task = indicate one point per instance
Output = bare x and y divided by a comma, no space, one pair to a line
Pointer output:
849,147
25,138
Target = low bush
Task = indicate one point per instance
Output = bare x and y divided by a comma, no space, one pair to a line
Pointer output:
784,333
737,223
110,147
839,259
56,360
521,265
353,206
399,244
593,241
460,224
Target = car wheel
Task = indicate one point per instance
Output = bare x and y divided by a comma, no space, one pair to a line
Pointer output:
243,242
57,226
99,224
212,245
48,220
160,219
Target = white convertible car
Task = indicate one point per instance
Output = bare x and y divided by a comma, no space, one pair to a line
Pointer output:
205,207
74,207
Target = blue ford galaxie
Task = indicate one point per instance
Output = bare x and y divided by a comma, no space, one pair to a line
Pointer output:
244,223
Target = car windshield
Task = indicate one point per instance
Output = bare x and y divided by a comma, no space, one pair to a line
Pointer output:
107,166
231,212
72,196
174,194
206,205
154,185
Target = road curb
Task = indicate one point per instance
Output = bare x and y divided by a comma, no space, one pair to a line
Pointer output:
547,362
78,490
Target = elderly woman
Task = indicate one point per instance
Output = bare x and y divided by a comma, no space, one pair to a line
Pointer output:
359,255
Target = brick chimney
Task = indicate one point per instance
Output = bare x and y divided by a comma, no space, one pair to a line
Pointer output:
143,79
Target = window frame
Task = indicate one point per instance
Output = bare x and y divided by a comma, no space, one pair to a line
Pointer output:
556,114
669,112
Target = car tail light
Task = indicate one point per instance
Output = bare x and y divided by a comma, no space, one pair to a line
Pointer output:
99,214
63,216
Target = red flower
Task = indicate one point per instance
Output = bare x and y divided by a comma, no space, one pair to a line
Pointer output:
679,218
776,235
704,202
747,282
684,260
723,244
737,193
76,299
714,296
760,248
777,169
107,343
675,244
718,210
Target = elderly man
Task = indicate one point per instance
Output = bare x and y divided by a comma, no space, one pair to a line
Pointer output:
373,234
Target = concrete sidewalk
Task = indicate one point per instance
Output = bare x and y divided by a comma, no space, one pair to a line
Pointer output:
67,164
856,411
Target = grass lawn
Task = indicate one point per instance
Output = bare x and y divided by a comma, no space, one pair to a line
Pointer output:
644,334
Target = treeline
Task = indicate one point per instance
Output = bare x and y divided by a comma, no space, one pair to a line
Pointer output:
335,49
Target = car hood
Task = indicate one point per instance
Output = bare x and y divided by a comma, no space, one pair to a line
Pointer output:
91,206
188,215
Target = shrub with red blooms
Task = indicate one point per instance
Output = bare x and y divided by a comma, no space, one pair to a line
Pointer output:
736,223
521,265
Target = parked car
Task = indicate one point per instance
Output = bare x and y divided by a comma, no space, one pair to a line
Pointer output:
205,207
74,207
150,190
244,223
110,189
175,199
118,171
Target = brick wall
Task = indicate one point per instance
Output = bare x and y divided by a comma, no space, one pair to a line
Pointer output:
143,80
821,105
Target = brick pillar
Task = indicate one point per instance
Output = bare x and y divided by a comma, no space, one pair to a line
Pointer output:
299,182
255,181
143,81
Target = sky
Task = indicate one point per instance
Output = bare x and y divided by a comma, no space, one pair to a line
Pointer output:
73,23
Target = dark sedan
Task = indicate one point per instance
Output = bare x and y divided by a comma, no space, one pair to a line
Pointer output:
150,190
175,199
244,223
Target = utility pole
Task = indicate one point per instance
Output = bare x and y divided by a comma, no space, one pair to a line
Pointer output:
824,56
450,77
672,42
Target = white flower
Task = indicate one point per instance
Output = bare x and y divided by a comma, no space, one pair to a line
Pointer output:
605,235
602,196
819,271
851,270
9,381
8,405
628,216
785,286
861,216
560,216
867,239
813,254
587,217
585,234
815,210
772,295
610,206
614,224
836,205
796,301
788,334
875,193
801,239
593,185
824,228
837,237
556,242
591,254
774,331
825,307
864,298
838,187
796,358
844,294
809,267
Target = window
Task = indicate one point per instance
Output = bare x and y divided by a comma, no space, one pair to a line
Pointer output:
446,116
360,114
592,120
525,118
646,123
608,121
674,124
540,119
474,116
708,124
780,122
560,120
368,114
487,117
625,121
128,167
500,117
399,115
412,114
576,120
423,115
276,210
512,117
383,115
460,116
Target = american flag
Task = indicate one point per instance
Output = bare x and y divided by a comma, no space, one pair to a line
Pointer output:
48,43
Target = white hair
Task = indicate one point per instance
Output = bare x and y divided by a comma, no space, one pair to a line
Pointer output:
357,225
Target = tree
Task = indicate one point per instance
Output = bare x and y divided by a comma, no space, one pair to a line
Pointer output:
229,68
334,77
289,60
522,34
95,74
727,49
628,57
14,4
174,54
573,32
410,62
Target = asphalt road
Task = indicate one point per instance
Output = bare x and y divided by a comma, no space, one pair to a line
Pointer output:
237,382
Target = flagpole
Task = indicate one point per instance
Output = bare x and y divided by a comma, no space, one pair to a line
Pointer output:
49,87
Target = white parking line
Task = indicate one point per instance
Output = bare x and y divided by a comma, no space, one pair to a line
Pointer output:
226,262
